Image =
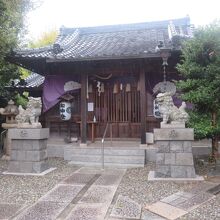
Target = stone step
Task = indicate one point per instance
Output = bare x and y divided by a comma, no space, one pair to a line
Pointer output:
107,151
108,159
119,157
99,164
57,150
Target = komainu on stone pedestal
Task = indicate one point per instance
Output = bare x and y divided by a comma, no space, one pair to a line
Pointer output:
174,158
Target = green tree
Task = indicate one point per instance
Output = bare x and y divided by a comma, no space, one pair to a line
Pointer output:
200,66
12,15
45,39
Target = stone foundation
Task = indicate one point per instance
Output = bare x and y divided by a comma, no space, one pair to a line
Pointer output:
174,157
28,150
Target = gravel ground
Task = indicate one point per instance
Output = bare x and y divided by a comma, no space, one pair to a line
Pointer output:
208,211
135,185
28,189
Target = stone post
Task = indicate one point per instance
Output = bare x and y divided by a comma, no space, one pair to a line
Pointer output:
28,150
174,158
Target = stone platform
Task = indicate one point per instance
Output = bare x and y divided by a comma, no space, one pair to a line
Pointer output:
174,157
28,150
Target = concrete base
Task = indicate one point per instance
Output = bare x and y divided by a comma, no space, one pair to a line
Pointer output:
31,174
151,177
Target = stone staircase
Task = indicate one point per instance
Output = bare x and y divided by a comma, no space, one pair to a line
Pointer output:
113,156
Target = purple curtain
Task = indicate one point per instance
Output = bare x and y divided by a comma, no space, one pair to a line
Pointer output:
53,89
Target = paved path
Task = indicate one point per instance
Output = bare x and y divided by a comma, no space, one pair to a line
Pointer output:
84,195
87,194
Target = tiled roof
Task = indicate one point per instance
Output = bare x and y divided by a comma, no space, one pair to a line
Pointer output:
33,80
110,42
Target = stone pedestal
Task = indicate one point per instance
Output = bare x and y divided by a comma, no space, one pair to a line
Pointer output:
28,150
174,157
7,141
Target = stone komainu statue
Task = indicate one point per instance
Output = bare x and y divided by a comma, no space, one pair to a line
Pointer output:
170,113
29,117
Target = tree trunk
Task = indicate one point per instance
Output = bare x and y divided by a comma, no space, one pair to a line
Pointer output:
214,138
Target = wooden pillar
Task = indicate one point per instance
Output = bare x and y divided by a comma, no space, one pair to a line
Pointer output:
143,104
84,78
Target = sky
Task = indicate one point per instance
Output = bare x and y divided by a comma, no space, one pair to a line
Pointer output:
83,13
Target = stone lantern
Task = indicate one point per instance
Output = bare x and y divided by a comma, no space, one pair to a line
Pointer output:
10,112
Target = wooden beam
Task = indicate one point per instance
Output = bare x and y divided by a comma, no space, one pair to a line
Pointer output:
84,78
143,104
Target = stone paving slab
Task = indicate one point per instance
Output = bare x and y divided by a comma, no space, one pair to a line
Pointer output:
8,210
62,193
194,202
170,198
88,212
202,186
146,215
185,194
177,198
178,201
42,210
99,194
165,210
107,180
126,208
78,178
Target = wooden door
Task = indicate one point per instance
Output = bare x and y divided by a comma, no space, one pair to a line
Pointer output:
121,108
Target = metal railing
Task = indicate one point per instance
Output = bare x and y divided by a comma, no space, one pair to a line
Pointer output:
103,141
